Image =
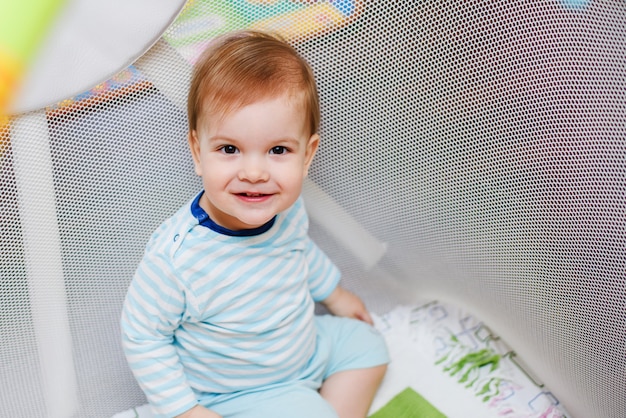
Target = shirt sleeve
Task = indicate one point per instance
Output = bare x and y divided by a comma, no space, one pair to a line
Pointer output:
152,311
323,274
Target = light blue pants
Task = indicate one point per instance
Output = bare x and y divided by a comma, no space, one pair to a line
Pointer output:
342,344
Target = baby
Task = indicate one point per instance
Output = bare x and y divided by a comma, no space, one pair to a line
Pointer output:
219,318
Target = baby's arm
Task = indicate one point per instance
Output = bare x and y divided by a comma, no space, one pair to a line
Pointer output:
152,311
342,302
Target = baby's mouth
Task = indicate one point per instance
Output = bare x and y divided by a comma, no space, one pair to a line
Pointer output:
252,195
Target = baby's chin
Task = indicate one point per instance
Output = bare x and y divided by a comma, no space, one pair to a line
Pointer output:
253,222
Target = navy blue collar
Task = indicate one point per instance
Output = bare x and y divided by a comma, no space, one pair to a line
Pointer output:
204,220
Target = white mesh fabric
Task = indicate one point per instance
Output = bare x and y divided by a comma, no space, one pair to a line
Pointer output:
483,142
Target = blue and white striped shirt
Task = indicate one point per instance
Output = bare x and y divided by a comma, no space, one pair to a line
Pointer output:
216,313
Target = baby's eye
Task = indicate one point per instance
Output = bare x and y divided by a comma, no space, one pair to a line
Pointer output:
229,149
278,150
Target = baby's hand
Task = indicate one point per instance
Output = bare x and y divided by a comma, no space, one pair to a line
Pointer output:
345,303
199,411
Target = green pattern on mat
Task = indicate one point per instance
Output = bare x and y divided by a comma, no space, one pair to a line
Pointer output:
408,404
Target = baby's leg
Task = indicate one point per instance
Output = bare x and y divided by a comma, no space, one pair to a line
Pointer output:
351,392
289,400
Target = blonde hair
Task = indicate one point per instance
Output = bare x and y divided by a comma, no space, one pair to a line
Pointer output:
242,67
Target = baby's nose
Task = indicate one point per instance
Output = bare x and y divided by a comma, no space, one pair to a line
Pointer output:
254,171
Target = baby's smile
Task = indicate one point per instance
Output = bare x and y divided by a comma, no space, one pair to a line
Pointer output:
253,197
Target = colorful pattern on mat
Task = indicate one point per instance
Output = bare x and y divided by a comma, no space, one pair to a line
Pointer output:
126,80
202,20
466,352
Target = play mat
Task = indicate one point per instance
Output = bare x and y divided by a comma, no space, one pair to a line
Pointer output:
446,363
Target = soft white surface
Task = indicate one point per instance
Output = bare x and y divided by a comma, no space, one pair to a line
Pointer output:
412,366
427,341
89,42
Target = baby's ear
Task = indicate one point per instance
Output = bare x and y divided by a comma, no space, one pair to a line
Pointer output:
194,147
311,149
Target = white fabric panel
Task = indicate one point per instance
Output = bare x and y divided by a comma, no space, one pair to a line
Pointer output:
88,42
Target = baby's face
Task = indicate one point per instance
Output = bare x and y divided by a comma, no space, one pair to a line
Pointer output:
252,161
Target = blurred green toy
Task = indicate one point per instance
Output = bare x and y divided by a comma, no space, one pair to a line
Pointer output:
23,26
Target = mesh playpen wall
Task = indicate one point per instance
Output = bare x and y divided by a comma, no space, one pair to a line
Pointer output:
472,152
